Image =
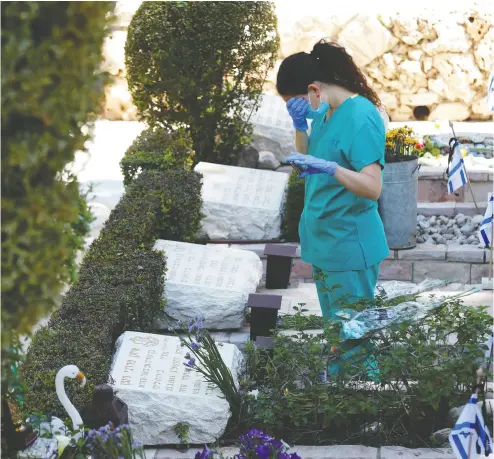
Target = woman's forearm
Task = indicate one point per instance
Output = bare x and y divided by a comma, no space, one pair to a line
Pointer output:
301,142
365,184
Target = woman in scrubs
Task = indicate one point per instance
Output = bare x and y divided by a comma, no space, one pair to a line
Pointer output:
340,230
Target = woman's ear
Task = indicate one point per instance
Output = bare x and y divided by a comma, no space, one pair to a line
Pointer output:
315,89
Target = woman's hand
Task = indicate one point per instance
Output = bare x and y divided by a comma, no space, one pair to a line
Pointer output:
297,109
311,165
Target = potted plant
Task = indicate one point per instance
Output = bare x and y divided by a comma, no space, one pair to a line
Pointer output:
398,201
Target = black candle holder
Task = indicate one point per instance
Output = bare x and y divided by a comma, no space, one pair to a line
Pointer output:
279,265
264,314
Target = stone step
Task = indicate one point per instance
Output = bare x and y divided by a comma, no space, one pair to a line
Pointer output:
451,208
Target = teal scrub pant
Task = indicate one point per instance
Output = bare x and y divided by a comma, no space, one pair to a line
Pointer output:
335,288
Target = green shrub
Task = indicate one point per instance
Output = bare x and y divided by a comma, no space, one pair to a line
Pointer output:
51,88
200,65
294,206
157,149
120,286
422,376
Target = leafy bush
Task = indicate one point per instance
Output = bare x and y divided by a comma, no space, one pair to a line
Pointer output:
200,65
421,376
51,89
157,149
294,206
119,287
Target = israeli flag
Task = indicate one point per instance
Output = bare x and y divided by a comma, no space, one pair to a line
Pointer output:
486,225
490,93
457,176
470,436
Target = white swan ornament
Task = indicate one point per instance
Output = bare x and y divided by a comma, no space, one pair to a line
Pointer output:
56,428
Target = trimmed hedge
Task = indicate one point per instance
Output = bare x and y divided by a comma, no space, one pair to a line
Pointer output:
51,88
201,65
157,149
294,206
120,286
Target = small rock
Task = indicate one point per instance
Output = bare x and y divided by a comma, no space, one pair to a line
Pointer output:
472,239
420,218
430,241
424,225
247,157
420,239
467,228
454,414
434,230
444,220
449,230
267,160
449,237
433,220
439,239
457,232
477,220
461,219
441,436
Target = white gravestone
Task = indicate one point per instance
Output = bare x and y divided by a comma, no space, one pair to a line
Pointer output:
161,392
241,203
272,120
213,282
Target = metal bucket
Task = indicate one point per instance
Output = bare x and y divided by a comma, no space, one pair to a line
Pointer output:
398,203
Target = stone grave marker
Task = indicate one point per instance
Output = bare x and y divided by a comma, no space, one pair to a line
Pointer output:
241,203
160,391
213,282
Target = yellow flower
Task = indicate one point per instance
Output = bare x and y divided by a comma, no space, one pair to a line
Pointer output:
464,152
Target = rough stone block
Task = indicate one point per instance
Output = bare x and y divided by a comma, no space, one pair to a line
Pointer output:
424,252
396,270
465,253
468,208
454,272
436,191
213,282
431,173
240,203
160,391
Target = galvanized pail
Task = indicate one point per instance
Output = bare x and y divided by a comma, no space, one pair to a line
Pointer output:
398,203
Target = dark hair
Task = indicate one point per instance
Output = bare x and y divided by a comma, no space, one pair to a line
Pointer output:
328,63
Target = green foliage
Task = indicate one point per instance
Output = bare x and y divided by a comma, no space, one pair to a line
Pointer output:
182,430
157,149
421,376
200,65
431,147
119,287
51,88
294,206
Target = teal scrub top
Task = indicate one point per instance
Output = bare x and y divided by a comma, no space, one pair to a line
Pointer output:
338,230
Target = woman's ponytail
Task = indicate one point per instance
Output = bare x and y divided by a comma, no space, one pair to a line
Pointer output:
335,66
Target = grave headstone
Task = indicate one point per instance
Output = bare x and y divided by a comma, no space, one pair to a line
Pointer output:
272,120
161,392
213,282
240,203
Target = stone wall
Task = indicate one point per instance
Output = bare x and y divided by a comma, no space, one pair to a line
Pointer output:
429,63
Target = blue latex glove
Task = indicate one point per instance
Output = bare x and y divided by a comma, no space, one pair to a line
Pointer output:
311,165
297,108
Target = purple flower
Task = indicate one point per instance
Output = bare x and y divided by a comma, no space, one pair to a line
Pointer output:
194,345
263,451
187,356
190,363
197,325
206,453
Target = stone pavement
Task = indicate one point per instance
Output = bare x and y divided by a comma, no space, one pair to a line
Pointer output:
326,452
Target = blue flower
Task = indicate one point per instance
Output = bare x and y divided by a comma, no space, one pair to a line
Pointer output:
187,356
194,345
263,451
206,453
190,363
197,325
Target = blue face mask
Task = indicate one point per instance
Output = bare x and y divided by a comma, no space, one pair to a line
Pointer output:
319,112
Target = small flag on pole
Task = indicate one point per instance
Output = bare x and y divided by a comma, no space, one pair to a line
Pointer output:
486,225
470,436
457,176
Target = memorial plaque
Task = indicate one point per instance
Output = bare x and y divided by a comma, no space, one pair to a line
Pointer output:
160,391
213,282
242,203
